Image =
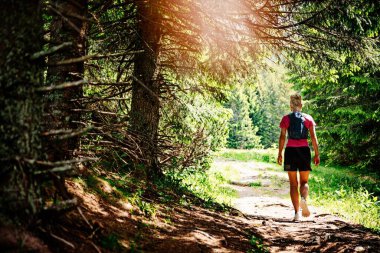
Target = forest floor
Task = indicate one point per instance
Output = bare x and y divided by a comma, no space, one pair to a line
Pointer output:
170,221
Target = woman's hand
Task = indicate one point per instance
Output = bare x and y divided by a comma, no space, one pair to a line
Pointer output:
315,145
316,159
279,159
281,145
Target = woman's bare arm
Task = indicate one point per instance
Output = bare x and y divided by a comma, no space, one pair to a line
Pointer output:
314,142
281,143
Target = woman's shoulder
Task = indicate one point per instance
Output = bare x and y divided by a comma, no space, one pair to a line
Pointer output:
309,118
285,121
285,117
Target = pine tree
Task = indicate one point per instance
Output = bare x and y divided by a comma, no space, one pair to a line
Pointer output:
242,133
68,30
21,73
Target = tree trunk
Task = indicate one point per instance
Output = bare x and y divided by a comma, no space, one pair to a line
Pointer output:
21,108
68,25
145,107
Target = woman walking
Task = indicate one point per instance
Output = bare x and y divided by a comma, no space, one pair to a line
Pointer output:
297,153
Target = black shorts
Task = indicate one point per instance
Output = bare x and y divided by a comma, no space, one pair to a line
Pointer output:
297,158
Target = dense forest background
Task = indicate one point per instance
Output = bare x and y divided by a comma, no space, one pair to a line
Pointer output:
150,87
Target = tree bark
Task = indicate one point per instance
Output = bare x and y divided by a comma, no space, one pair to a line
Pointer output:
20,108
68,25
145,107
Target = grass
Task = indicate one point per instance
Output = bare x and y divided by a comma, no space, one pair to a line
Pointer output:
344,191
265,155
225,173
210,186
255,184
351,194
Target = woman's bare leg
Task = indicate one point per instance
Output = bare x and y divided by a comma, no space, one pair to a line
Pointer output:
304,188
294,195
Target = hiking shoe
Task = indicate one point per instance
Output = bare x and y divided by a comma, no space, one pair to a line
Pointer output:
305,209
296,217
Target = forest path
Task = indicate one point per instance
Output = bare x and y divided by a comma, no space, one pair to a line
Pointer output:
264,199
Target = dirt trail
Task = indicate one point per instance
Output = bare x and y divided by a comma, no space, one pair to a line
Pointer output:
113,224
263,198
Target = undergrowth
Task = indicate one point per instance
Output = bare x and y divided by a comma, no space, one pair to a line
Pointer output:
210,186
349,193
352,194
122,188
111,242
257,245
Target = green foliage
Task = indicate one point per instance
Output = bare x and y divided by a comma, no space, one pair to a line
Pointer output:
242,134
255,184
348,193
148,209
341,36
262,101
210,186
111,242
257,245
127,188
196,124
270,102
